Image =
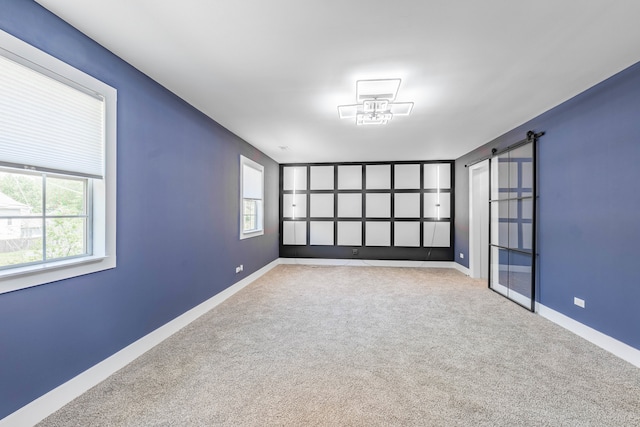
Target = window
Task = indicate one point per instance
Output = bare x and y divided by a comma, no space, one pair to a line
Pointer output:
251,198
251,215
57,169
47,217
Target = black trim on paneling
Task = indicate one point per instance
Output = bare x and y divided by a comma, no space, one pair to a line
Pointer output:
366,252
335,204
363,201
391,252
422,242
452,236
308,200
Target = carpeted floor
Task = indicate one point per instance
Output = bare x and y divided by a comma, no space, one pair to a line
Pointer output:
366,346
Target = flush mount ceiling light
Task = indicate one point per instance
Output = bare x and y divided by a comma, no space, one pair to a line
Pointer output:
375,103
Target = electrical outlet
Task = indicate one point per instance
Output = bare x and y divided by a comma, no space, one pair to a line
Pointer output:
578,301
461,255
241,267
354,252
238,270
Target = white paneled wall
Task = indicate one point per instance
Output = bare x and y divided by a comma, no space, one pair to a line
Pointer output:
380,205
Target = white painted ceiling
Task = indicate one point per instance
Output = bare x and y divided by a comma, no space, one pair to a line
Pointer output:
274,71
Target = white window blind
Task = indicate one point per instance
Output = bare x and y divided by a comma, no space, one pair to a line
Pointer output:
251,198
251,183
48,125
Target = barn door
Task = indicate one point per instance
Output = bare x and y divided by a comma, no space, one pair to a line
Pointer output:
513,220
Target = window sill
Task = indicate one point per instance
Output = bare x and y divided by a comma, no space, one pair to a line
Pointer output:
34,275
251,234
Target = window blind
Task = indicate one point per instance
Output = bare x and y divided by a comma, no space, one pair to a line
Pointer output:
251,183
48,125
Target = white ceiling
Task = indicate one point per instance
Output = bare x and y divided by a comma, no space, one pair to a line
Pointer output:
274,71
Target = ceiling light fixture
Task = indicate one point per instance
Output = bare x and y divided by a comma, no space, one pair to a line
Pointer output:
375,103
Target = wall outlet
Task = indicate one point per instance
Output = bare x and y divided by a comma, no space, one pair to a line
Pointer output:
354,252
238,270
241,267
578,301
461,255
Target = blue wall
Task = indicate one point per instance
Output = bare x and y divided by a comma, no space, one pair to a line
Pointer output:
177,235
589,204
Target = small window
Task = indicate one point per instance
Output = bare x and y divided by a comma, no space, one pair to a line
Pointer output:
251,198
57,169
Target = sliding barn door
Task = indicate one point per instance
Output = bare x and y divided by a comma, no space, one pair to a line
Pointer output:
513,210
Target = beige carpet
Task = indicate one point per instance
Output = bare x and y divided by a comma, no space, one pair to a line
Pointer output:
366,346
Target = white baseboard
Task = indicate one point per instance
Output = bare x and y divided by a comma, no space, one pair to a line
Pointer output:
612,345
47,404
462,269
372,263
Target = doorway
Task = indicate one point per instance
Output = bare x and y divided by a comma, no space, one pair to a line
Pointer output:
479,220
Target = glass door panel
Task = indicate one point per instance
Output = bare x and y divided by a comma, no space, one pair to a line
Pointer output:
499,270
521,171
500,223
519,280
500,177
512,224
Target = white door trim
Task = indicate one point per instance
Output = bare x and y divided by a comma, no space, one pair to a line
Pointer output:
475,266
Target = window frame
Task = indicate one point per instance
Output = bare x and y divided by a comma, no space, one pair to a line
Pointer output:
102,207
259,231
